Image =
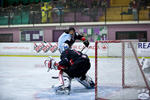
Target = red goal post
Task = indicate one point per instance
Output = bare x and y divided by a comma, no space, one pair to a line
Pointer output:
123,52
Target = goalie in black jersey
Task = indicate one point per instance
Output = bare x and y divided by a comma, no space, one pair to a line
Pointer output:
73,64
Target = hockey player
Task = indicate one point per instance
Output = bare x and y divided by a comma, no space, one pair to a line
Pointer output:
145,64
68,38
73,64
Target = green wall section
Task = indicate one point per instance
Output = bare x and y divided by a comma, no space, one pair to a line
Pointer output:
10,2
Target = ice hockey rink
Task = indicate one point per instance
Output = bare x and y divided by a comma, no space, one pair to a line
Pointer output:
26,78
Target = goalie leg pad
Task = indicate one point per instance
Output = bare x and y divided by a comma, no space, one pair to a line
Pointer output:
66,84
87,82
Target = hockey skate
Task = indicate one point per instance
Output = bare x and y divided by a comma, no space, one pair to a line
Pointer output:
66,85
87,82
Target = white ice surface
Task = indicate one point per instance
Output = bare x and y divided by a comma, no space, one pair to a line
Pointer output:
26,78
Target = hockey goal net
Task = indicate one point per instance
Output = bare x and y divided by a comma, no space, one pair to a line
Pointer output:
118,72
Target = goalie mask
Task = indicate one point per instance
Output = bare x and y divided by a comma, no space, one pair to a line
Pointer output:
49,63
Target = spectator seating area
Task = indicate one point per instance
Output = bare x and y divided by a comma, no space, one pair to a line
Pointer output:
117,3
59,11
118,7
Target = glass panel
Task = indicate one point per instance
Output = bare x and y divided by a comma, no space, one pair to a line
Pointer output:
4,16
16,15
126,14
68,15
58,11
113,14
144,14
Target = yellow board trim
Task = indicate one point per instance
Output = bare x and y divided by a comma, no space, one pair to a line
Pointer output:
55,56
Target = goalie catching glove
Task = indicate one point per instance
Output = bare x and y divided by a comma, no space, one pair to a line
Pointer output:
85,42
52,64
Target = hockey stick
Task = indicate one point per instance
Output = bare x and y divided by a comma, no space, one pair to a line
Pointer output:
84,51
83,48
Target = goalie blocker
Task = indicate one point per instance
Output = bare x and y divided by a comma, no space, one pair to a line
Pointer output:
73,64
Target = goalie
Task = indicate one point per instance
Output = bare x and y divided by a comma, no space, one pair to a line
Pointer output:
73,64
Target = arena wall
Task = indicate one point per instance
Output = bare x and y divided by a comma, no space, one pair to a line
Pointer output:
48,31
112,29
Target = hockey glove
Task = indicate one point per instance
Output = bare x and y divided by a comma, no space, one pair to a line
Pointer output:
86,43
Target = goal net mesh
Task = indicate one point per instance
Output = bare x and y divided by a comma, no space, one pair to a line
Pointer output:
118,71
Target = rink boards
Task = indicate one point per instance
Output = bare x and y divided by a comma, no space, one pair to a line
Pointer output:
43,49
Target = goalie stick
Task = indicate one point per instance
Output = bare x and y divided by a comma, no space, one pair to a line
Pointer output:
54,77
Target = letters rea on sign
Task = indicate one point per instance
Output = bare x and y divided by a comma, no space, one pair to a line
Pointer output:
144,45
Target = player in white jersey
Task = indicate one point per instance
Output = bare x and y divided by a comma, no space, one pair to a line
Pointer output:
145,64
67,39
